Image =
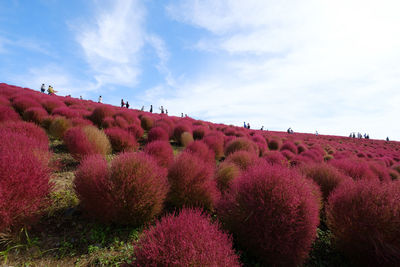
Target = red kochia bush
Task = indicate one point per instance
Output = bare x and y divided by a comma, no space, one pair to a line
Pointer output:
133,189
275,157
22,103
157,133
8,114
35,114
355,168
121,140
29,130
161,151
66,112
273,214
364,218
216,143
199,132
201,150
136,130
179,130
146,122
85,141
188,239
243,159
239,144
99,113
192,183
289,146
24,181
52,104
274,144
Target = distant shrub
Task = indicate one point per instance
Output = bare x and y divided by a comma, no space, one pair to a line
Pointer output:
107,122
289,146
22,103
80,122
216,143
85,141
35,115
146,122
121,140
380,170
364,218
99,113
186,139
227,172
192,183
301,148
161,151
199,132
201,150
136,130
59,126
355,168
8,114
287,154
157,134
179,130
274,144
269,207
24,181
133,189
243,159
275,157
188,239
51,104
66,112
326,176
241,144
120,122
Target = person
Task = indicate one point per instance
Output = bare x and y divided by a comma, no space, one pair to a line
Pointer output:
151,108
142,109
50,90
80,97
43,88
387,139
262,128
162,109
182,115
316,133
127,104
289,130
248,125
166,111
100,99
244,124
122,103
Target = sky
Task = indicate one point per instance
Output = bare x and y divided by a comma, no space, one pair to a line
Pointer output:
312,65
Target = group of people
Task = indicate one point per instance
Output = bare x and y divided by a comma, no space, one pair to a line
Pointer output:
50,89
359,135
247,126
123,104
289,130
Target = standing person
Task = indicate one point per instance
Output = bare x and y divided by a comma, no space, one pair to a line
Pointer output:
387,139
127,104
142,109
151,108
122,103
162,109
100,99
182,115
248,125
262,128
50,90
80,97
43,88
166,111
244,124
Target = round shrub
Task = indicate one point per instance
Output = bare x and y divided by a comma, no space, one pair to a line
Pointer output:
380,170
80,122
120,122
243,159
167,125
24,102
161,151
199,132
216,143
325,175
66,112
274,144
35,114
355,168
201,150
179,130
59,126
364,219
52,104
136,130
275,157
186,139
85,141
188,239
99,113
157,133
192,183
227,172
29,130
241,144
146,122
107,122
133,189
8,114
289,146
273,214
121,140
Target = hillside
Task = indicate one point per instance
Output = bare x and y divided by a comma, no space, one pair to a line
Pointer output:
81,181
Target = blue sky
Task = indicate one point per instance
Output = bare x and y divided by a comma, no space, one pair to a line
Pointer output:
331,66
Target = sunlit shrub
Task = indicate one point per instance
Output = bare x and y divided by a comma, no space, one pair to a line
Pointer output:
226,173
161,151
241,144
216,143
59,126
355,168
99,113
157,133
8,114
121,140
364,218
146,122
201,150
66,112
187,239
22,103
269,207
35,114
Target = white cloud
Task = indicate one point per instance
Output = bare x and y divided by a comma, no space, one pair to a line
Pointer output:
330,65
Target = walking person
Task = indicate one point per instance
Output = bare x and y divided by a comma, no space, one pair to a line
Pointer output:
122,103
166,111
127,104
142,109
43,88
100,99
162,109
151,108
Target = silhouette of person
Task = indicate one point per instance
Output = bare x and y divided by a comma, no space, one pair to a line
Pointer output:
43,88
122,103
151,108
127,104
100,99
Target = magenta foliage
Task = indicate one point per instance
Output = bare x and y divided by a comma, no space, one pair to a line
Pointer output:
355,168
199,132
29,130
120,122
289,146
66,112
23,102
180,129
35,114
201,150
161,151
187,239
99,113
121,140
273,214
51,104
241,144
136,130
275,157
243,159
364,218
157,134
216,143
8,114
192,183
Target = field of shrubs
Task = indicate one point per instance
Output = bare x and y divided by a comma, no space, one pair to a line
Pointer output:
89,184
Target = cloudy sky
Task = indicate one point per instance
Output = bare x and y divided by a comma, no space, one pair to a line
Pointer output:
331,66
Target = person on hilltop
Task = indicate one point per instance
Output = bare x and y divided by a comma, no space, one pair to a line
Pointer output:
244,125
248,125
387,139
127,104
142,109
162,109
122,103
100,99
262,128
50,90
80,97
166,111
151,108
43,88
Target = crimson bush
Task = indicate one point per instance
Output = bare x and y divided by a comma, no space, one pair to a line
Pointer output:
136,130
157,133
8,114
121,140
273,213
239,144
201,150
35,114
243,159
355,168
161,151
188,239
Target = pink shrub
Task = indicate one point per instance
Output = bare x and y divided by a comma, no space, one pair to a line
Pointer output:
157,134
289,146
301,148
136,130
355,168
364,218
4,101
120,122
269,207
121,140
99,113
241,144
35,115
199,132
85,141
80,122
202,151
216,143
66,112
51,104
29,130
192,183
146,122
179,130
107,122
8,114
275,157
227,172
22,103
188,239
167,125
380,170
287,154
161,151
274,144
243,159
